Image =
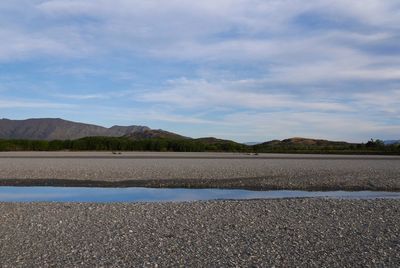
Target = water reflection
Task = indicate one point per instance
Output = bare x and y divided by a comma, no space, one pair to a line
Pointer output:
138,194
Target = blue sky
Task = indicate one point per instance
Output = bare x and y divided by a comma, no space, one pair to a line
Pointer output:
247,70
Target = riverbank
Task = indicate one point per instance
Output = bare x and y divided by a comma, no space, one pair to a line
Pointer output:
285,233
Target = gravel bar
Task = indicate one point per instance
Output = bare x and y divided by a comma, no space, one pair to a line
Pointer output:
256,233
201,170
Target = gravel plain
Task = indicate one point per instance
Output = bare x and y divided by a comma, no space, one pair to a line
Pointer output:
223,170
256,233
252,233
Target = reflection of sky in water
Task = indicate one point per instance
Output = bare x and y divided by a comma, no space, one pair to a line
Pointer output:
137,194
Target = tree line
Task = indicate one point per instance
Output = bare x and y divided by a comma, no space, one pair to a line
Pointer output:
190,145
120,144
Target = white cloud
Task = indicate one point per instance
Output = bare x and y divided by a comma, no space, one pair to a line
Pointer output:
280,115
186,93
18,45
386,102
253,30
34,104
109,95
190,29
82,96
230,32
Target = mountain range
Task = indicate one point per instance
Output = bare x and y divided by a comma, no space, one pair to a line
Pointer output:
59,129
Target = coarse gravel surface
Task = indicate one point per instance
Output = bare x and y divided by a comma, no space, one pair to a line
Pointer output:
256,233
224,170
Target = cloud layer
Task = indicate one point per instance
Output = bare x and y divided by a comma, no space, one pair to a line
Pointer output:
241,69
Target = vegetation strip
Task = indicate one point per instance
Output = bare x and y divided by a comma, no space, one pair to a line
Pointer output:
283,157
174,144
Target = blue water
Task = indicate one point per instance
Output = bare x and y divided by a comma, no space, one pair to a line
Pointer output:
138,194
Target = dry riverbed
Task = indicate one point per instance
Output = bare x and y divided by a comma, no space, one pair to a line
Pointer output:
224,170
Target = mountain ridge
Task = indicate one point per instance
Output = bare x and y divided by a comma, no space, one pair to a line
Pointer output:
59,129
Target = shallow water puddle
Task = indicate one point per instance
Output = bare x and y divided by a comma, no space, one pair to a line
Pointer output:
139,194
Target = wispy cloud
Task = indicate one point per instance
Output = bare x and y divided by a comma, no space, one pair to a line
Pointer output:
203,94
34,104
82,97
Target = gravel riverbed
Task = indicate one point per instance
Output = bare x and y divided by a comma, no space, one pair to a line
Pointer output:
264,171
257,233
253,233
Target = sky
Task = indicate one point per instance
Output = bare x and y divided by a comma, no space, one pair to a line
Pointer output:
246,70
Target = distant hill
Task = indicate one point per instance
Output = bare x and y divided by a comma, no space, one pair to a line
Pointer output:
300,143
207,143
220,144
59,129
315,142
154,134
